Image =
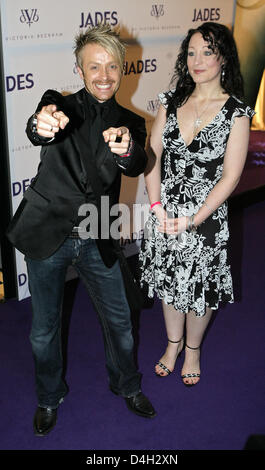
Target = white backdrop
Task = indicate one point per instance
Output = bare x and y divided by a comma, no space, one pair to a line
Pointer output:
37,39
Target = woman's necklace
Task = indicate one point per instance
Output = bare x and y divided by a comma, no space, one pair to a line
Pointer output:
198,120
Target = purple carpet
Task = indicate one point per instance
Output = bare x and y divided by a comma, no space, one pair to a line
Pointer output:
221,412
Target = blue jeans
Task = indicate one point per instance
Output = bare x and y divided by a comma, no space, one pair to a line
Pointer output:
106,289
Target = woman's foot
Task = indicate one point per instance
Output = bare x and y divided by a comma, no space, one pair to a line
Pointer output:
165,366
190,373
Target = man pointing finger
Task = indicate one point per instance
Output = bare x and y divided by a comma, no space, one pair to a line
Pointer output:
75,132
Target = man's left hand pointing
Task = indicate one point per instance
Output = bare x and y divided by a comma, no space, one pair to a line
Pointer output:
110,135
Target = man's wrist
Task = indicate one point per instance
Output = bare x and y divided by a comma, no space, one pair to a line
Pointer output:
34,130
34,122
129,151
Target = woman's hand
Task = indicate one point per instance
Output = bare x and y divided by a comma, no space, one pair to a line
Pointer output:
169,225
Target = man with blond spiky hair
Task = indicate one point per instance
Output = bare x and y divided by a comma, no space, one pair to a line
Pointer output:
79,133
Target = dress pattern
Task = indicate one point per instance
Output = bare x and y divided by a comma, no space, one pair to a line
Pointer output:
191,270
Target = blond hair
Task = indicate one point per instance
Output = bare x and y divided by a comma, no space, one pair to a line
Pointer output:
106,37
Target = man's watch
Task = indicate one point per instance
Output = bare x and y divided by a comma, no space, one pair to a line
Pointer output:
34,123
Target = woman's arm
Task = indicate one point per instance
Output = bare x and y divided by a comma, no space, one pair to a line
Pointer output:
234,161
153,169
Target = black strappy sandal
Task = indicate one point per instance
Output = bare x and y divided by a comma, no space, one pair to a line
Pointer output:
193,375
160,364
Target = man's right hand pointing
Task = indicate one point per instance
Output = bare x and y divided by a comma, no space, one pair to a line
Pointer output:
49,121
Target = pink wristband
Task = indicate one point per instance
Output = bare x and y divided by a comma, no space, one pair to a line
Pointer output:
154,204
125,155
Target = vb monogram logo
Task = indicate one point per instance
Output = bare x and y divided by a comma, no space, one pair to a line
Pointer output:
29,16
153,105
157,10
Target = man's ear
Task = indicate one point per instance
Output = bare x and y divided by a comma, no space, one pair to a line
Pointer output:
81,75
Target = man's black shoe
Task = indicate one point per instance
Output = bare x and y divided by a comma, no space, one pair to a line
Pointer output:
140,405
44,420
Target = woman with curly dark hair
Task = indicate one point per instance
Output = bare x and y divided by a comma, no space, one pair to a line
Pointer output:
198,147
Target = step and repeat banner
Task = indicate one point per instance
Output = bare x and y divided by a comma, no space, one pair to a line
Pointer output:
37,49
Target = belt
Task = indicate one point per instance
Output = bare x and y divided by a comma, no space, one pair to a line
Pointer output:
74,233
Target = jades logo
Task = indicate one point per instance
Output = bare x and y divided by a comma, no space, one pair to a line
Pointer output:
206,14
19,187
140,66
19,82
93,19
22,279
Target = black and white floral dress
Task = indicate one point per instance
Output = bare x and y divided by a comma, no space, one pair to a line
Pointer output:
191,271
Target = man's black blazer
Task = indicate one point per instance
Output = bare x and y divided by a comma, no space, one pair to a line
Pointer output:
49,208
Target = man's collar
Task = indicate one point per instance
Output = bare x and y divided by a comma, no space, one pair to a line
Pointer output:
91,100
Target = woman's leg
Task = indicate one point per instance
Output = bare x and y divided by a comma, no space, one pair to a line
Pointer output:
174,322
195,329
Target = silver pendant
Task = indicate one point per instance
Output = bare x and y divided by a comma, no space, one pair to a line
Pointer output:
198,122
